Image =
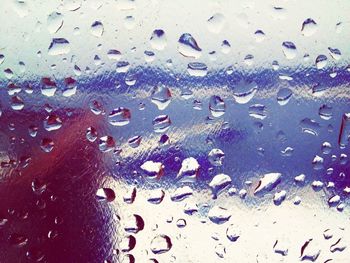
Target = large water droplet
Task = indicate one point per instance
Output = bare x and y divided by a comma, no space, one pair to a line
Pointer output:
344,132
188,47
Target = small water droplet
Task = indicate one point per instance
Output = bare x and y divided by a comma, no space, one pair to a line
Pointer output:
47,145
105,194
217,106
216,23
289,49
158,39
161,96
161,123
106,143
97,29
283,96
54,22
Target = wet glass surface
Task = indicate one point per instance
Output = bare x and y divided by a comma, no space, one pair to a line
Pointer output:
174,131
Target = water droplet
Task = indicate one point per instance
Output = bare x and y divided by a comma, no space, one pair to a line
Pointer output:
91,134
38,186
161,96
220,250
219,215
197,69
317,162
280,248
188,47
156,196
33,130
52,122
181,193
161,244
259,36
344,132
321,61
219,183
279,197
106,143
161,123
35,255
225,47
283,96
105,194
325,112
258,111
127,243
17,103
309,252
309,27
326,148
18,240
216,23
54,22
233,233
181,223
310,126
289,49
244,91
97,29
119,116
268,182
216,157
135,141
153,170
299,178
59,46
134,224
158,39
339,245
189,170
217,106
47,145
129,22
335,53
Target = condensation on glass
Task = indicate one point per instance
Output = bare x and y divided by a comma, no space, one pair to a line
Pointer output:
174,131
